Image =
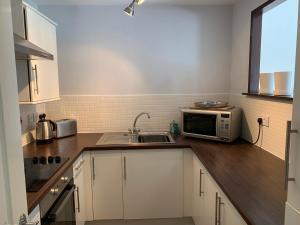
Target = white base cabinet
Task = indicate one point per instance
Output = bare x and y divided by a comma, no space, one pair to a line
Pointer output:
107,185
145,184
83,195
153,184
210,205
292,215
137,184
204,195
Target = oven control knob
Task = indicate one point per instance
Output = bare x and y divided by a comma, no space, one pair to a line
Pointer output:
57,159
50,159
43,160
35,160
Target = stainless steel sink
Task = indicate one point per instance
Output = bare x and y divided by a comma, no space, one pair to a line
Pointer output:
123,138
155,137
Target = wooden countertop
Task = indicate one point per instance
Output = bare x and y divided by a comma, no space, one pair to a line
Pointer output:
252,178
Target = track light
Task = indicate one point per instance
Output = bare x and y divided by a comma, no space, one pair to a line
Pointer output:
139,2
129,10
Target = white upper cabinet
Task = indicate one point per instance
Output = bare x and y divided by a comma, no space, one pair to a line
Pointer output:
153,183
38,79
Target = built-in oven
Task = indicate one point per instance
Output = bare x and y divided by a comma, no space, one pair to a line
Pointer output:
58,206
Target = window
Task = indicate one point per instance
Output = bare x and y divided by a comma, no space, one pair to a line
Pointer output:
273,40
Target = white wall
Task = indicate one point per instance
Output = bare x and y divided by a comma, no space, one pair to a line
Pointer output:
113,66
162,50
279,112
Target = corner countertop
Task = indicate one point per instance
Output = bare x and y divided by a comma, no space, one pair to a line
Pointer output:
252,178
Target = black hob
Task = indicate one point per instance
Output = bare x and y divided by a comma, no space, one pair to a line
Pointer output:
38,170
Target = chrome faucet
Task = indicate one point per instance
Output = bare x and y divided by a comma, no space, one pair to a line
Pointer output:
134,129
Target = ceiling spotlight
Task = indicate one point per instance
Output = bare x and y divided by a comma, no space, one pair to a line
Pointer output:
129,10
139,2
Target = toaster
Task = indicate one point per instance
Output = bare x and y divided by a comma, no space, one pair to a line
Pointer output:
65,128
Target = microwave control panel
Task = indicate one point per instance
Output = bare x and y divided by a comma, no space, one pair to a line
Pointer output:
224,127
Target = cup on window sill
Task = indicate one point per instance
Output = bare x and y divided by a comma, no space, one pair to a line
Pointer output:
283,83
266,84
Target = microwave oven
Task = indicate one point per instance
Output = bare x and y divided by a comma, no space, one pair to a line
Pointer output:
215,125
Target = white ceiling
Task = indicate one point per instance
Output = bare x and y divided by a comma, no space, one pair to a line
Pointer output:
118,2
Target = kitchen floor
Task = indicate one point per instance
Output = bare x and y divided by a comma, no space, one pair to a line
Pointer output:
175,221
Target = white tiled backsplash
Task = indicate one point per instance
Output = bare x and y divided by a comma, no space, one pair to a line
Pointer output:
278,112
116,113
109,113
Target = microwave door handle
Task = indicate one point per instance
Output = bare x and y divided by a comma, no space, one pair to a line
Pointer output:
62,204
217,126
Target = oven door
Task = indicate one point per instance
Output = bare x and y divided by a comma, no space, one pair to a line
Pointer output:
63,210
200,124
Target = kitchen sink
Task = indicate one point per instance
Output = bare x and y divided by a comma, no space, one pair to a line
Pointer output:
123,138
155,137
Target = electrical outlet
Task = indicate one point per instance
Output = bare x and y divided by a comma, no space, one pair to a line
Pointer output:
266,121
31,120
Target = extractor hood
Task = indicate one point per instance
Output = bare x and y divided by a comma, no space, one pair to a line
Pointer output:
24,49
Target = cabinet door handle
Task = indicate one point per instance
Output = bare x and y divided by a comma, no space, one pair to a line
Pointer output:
125,168
200,184
219,210
289,131
78,200
35,70
93,168
216,209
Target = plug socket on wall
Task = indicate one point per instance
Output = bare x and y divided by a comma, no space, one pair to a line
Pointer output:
265,121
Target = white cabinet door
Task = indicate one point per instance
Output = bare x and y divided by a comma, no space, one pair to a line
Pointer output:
227,214
78,171
197,192
153,184
204,195
292,216
107,185
44,83
209,200
211,206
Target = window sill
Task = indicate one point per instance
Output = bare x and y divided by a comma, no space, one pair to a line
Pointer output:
270,97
